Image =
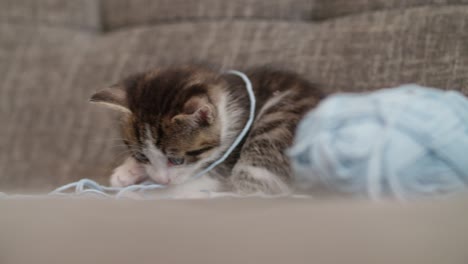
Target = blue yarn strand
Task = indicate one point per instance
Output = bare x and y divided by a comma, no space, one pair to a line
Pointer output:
244,131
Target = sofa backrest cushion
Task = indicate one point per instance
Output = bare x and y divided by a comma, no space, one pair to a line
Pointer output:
326,9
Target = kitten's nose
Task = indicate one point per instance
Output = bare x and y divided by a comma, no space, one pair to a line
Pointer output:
159,176
161,180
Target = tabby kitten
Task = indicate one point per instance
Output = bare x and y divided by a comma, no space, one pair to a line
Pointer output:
177,121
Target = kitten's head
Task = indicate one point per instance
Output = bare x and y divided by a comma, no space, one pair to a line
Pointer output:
171,119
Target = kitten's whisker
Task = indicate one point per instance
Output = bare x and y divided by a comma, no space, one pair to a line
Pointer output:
121,154
129,150
119,146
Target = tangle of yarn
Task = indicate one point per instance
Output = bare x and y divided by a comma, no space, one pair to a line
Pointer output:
405,142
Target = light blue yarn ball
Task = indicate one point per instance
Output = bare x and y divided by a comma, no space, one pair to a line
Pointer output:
404,142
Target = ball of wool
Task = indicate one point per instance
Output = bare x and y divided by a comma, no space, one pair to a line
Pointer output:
403,142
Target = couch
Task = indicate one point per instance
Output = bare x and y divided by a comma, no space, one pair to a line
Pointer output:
55,53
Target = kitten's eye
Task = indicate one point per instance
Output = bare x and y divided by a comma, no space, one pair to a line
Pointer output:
197,152
140,157
176,161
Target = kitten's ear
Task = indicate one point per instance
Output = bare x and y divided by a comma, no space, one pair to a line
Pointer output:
196,113
112,97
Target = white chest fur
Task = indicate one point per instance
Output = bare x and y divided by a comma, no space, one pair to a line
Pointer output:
194,188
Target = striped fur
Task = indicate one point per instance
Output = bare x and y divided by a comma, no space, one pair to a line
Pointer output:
176,121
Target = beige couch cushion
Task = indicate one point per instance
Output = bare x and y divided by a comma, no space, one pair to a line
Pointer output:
324,9
119,13
46,124
99,15
83,14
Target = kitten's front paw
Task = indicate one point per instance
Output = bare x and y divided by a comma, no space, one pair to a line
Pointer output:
121,179
129,173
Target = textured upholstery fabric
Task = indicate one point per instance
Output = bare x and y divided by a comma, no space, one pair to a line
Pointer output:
118,13
50,135
426,45
70,13
324,9
113,14
46,126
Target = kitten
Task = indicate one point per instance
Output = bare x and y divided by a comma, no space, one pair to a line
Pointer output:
176,121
